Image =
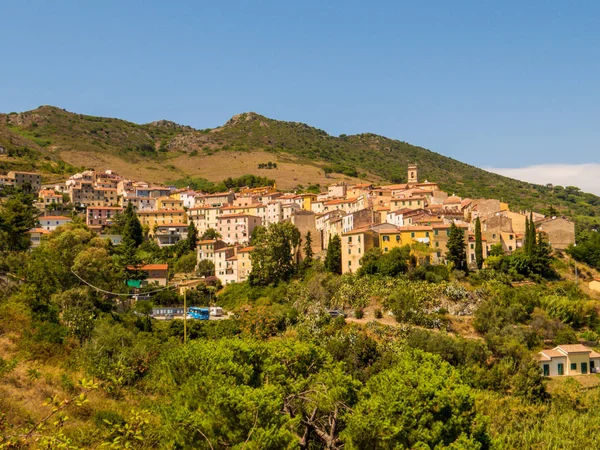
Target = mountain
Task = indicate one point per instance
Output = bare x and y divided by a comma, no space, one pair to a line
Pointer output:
56,141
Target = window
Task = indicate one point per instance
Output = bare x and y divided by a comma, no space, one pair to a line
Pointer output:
510,248
546,370
350,240
358,249
510,236
386,239
385,249
358,238
493,236
435,232
427,234
561,369
349,251
412,235
573,366
437,244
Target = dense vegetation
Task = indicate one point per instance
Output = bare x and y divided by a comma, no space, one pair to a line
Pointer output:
281,372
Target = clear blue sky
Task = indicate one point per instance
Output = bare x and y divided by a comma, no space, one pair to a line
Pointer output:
492,83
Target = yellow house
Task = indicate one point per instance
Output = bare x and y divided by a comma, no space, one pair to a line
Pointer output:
169,203
575,359
244,263
354,245
307,201
161,217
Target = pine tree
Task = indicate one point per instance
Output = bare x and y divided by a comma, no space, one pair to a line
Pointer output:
192,236
308,251
333,260
132,231
478,244
456,253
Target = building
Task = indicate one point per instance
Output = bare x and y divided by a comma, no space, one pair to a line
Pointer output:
560,231
154,273
48,197
24,179
206,249
237,228
50,223
35,236
355,244
171,234
99,217
161,217
575,359
244,264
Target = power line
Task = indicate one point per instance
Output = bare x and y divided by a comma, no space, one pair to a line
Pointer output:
118,293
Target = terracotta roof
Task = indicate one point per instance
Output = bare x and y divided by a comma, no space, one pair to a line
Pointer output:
228,216
55,218
357,231
245,249
149,267
453,199
412,228
39,230
207,241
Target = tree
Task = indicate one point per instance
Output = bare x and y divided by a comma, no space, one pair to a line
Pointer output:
192,236
206,268
478,244
308,251
333,259
133,233
275,250
17,217
418,403
456,253
186,264
210,234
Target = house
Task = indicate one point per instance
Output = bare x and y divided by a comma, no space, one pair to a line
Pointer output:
49,197
99,217
155,273
244,263
574,359
161,217
237,228
21,179
50,223
559,230
204,217
171,234
355,244
206,249
35,236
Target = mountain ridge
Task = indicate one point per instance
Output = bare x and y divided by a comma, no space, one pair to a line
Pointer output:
52,139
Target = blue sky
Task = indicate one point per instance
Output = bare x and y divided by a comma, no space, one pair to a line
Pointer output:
492,83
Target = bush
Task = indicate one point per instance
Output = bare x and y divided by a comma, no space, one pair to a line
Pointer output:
378,313
359,313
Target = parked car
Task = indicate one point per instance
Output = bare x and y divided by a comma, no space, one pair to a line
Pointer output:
169,317
337,313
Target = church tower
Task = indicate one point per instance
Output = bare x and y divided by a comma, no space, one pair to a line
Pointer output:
413,173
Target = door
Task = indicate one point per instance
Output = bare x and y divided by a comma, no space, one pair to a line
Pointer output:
583,368
592,366
546,370
561,369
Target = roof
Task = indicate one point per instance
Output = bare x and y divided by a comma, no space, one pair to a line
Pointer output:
156,211
55,218
245,249
413,228
574,348
229,216
39,230
167,225
358,231
207,241
150,267
453,199
104,207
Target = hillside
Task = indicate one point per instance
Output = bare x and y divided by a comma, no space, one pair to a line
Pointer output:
53,140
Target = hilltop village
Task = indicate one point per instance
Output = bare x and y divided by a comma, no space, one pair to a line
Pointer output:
362,215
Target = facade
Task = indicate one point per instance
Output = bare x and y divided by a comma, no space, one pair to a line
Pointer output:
354,245
99,217
155,273
48,197
237,228
21,179
559,231
171,234
574,359
35,236
50,223
161,217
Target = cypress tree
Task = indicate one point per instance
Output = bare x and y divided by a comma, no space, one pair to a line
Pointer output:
457,253
478,244
192,236
333,260
308,252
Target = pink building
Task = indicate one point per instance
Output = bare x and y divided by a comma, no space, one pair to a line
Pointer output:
99,217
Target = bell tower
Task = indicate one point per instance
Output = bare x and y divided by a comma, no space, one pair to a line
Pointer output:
413,173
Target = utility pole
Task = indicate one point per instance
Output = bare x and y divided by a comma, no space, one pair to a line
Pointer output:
184,315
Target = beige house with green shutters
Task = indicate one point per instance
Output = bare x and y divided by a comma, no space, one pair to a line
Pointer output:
574,359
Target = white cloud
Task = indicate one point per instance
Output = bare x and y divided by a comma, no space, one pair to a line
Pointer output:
584,176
